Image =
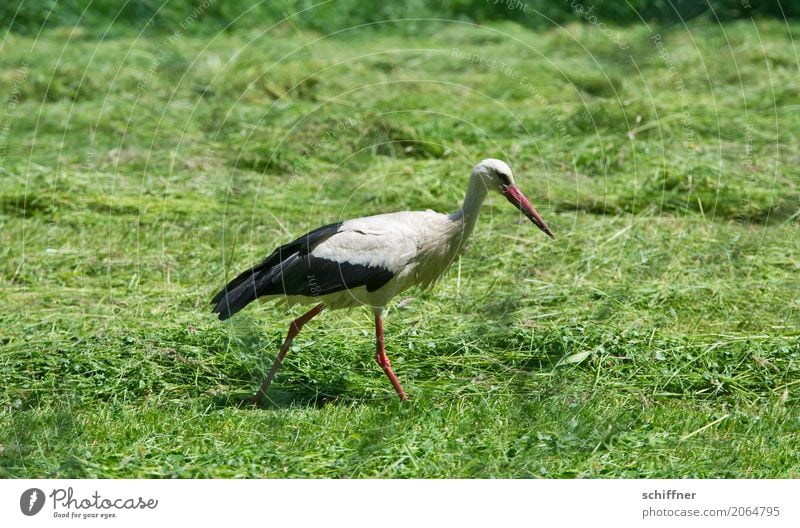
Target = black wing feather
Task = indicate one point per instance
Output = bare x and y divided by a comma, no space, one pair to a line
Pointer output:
311,276
242,290
292,270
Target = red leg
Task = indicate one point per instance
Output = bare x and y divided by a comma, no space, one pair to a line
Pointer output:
383,359
294,329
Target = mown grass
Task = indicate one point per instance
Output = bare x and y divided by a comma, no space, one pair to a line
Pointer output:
657,337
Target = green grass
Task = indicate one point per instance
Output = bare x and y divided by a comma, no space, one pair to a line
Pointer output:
658,336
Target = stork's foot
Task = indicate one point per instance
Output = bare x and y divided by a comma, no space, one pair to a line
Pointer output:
396,384
251,400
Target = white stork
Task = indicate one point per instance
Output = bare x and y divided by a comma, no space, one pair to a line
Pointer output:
367,261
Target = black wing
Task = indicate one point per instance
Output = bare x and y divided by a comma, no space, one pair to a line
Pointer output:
292,270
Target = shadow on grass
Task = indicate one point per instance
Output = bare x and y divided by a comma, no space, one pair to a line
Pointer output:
293,391
281,398
497,335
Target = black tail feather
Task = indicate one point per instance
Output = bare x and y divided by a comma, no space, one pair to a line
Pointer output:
238,293
261,279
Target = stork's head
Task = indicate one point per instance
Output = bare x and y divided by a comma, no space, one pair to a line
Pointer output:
497,176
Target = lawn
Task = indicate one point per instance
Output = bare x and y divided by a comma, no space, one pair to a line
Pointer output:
657,336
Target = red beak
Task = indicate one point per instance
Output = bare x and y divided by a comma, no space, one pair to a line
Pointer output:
515,196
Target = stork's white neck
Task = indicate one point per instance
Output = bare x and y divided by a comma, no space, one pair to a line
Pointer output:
468,214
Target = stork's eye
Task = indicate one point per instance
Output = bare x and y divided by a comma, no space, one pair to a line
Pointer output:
504,178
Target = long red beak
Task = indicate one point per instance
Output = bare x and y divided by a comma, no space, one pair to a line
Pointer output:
520,201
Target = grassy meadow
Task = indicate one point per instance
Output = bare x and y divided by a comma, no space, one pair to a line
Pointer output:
658,336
